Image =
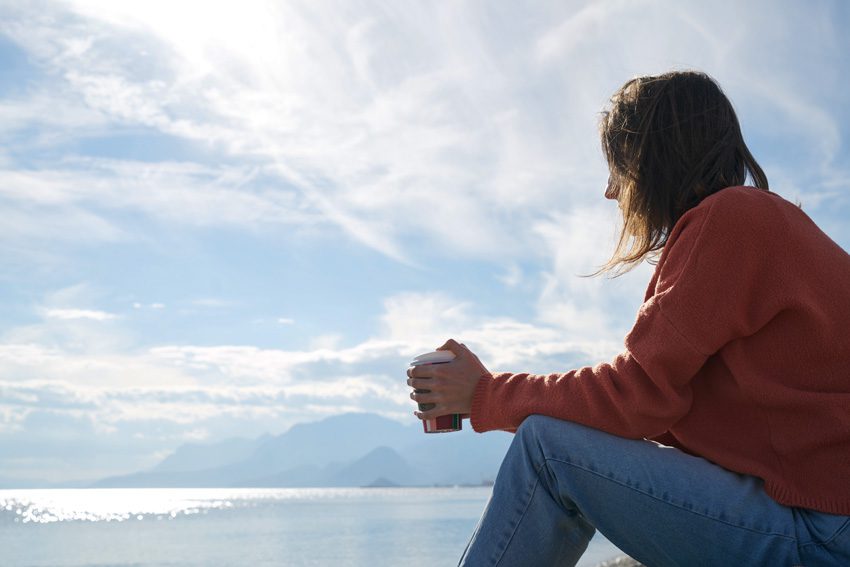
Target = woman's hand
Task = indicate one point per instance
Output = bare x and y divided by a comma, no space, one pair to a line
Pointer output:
451,385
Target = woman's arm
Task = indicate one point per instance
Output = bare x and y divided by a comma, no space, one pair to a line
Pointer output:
594,396
710,287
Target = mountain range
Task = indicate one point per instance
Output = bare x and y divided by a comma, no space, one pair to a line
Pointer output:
354,449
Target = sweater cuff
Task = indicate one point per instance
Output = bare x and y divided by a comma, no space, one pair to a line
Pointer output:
477,414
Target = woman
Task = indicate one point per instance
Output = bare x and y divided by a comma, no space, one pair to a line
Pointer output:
721,435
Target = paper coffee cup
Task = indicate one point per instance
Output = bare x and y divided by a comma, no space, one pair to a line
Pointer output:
443,423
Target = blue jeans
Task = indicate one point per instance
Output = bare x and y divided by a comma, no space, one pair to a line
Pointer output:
561,481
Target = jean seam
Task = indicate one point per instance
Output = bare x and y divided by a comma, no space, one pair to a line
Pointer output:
522,515
831,538
652,496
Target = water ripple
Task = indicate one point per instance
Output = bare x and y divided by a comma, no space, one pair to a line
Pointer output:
108,505
135,504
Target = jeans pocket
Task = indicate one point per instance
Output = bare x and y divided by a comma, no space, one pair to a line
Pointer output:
821,528
827,541
841,536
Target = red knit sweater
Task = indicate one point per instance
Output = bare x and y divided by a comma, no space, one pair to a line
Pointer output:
740,354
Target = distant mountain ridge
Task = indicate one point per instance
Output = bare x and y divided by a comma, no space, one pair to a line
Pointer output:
195,456
355,449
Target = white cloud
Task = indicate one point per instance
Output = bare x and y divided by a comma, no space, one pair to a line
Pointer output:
152,306
187,384
192,193
587,24
326,342
419,318
253,365
78,314
121,100
423,321
72,363
578,243
48,211
54,119
380,160
401,127
11,419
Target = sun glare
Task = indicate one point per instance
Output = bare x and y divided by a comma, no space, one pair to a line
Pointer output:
202,34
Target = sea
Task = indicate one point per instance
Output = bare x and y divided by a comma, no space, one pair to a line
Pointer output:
157,527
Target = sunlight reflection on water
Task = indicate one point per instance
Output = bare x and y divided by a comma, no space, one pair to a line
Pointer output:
179,527
45,506
118,505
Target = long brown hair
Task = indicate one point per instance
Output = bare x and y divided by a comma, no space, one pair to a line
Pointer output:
670,140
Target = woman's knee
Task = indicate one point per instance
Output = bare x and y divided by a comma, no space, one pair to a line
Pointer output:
534,422
535,428
544,433
550,437
542,426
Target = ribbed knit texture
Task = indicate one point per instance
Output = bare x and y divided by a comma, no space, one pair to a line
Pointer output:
739,354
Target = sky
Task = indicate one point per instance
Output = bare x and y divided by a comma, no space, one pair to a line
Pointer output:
223,218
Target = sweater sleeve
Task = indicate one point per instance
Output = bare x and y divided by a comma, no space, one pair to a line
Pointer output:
697,301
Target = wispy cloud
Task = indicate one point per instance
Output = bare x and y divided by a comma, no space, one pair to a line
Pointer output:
371,371
78,314
184,192
408,144
378,146
154,306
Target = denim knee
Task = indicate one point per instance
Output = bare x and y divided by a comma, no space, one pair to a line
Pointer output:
533,428
545,431
547,438
544,437
534,423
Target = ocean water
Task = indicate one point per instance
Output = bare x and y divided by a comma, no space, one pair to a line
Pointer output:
219,527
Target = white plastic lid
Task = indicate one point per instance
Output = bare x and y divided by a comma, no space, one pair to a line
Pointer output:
435,357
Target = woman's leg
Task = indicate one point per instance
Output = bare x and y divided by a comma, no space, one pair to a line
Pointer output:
522,523
560,480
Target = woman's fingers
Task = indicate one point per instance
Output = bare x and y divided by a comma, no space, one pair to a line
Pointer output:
424,397
423,383
432,413
432,404
418,396
426,371
437,411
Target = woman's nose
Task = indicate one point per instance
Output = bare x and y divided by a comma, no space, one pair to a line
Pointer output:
611,191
